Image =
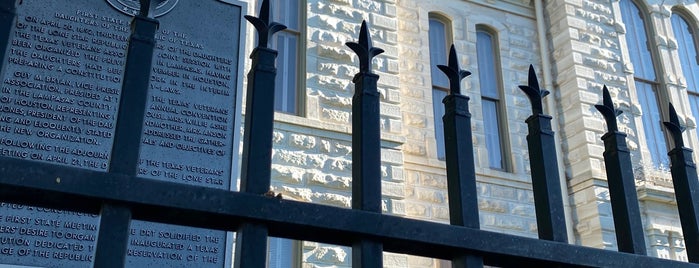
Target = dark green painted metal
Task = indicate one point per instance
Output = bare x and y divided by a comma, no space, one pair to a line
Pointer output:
686,184
115,219
251,243
550,216
119,195
8,16
622,186
461,170
158,201
366,147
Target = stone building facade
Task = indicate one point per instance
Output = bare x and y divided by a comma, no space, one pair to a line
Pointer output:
576,47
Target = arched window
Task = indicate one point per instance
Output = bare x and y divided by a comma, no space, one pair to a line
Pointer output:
687,50
439,42
491,98
645,79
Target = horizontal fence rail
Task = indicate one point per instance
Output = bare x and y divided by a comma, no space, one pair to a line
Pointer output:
256,215
65,188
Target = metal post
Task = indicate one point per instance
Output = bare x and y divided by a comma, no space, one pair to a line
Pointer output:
366,146
251,240
684,178
622,187
458,144
8,16
550,217
115,219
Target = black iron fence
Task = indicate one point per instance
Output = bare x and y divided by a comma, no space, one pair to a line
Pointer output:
120,196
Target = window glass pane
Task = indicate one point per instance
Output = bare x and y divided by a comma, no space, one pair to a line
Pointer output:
438,52
438,109
281,253
487,68
694,103
286,12
637,40
687,51
287,62
491,127
651,124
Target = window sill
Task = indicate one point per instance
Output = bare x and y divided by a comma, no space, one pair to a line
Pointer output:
394,140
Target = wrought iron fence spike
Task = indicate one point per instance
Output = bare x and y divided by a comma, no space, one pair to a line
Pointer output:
534,92
453,72
675,127
265,28
608,111
146,9
364,49
620,179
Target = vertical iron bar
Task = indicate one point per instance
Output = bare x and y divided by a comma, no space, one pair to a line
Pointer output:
366,144
550,217
684,179
8,15
251,239
134,95
259,119
116,219
461,171
622,187
113,236
366,147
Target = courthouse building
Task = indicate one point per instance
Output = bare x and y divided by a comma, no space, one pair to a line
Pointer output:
644,51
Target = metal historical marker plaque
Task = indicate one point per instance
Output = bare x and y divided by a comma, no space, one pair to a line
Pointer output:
61,85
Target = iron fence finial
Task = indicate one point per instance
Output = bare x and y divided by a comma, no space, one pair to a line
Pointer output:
675,127
265,28
534,92
608,111
453,72
364,49
146,9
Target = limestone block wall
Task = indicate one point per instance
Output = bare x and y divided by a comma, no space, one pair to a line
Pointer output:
505,199
312,151
587,40
586,54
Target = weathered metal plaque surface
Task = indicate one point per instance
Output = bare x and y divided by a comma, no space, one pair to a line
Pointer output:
61,83
189,125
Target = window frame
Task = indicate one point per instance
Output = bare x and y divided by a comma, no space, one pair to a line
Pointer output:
692,86
437,105
497,98
294,248
652,127
298,92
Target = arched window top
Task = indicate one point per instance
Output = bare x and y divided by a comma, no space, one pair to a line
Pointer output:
440,16
686,48
637,39
685,14
487,29
488,61
440,40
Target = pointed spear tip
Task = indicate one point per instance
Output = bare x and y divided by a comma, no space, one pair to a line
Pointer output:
264,12
606,97
453,58
364,36
674,118
145,8
533,80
